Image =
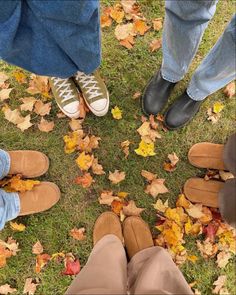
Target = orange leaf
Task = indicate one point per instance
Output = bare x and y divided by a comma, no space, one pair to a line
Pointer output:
78,234
140,27
86,180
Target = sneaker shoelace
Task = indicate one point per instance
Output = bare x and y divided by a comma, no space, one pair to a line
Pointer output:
63,87
90,84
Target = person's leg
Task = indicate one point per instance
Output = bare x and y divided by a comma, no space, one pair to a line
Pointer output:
185,23
218,67
151,269
106,269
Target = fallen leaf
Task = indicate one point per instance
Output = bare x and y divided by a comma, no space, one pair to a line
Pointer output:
72,265
117,206
122,32
157,24
117,13
207,249
83,109
97,168
140,27
116,176
106,21
71,141
145,149
88,143
128,6
160,206
125,147
86,180
217,107
173,159
156,187
39,85
20,77
28,103
4,93
219,284
195,211
17,226
116,113
223,259
4,254
16,184
37,248
192,258
84,161
46,126
42,109
224,175
107,197
10,245
210,231
25,124
128,42
3,77
41,261
149,176
148,134
132,210
214,118
78,234
29,287
6,289
122,195
183,202
229,90
155,45
137,95
75,124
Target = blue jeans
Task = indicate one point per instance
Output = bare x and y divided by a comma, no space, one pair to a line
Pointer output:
9,202
185,23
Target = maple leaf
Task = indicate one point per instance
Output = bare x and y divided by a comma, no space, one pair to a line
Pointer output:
46,126
11,245
84,161
217,107
72,265
76,124
125,147
137,95
195,211
229,90
132,210
106,21
210,231
182,202
116,113
219,284
224,175
156,187
157,24
149,176
41,261
207,248
117,206
148,134
28,103
145,149
214,118
192,258
160,206
86,180
4,93
4,254
173,159
12,116
25,124
83,109
97,168
17,226
128,5
42,109
88,143
39,85
116,176
122,32
140,27
6,289
37,248
17,184
117,13
107,197
223,258
177,215
3,77
71,141
20,77
155,45
122,195
30,287
128,42
78,234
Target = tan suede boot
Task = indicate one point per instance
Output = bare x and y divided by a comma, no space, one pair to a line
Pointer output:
41,198
137,235
207,155
107,223
198,190
28,163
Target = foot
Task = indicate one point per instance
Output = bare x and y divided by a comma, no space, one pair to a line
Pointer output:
107,223
181,112
94,92
156,94
198,190
207,155
30,164
66,96
137,235
41,198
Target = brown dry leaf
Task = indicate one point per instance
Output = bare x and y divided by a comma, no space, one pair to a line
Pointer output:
125,147
219,284
149,176
116,176
140,27
128,6
229,90
6,289
195,211
61,115
39,85
28,103
214,118
122,32
107,197
88,144
30,287
160,206
224,175
117,206
132,210
46,126
78,234
86,180
83,110
106,21
3,78
128,42
137,95
11,245
173,159
4,254
153,123
42,109
155,45
167,166
4,93
207,248
37,248
25,124
41,261
223,258
117,13
20,77
76,124
148,134
97,168
156,187
157,24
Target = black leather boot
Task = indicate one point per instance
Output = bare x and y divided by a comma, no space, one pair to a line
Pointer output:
181,111
156,94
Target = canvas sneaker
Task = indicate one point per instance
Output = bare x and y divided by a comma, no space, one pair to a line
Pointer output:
66,95
94,92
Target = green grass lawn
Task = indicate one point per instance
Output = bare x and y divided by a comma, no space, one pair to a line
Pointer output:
126,72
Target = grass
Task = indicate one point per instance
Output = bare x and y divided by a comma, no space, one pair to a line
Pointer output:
126,72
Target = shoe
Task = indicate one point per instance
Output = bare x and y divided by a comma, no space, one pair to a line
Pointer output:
207,155
181,112
41,198
137,235
66,95
29,164
156,94
94,92
106,224
198,190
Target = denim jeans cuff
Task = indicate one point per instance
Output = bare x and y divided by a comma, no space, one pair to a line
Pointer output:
195,94
9,207
170,78
5,162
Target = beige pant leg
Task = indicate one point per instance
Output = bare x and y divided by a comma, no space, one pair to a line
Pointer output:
105,271
152,271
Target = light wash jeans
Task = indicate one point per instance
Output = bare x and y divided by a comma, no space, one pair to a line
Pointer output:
185,23
9,202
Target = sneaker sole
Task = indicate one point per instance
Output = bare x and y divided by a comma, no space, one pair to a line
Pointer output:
99,113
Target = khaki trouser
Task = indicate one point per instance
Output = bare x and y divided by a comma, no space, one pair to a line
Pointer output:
150,271
227,195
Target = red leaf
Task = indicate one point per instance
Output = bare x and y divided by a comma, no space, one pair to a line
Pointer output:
210,231
71,267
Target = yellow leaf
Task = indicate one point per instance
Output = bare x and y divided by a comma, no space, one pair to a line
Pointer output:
71,141
116,113
217,107
84,161
20,77
192,258
140,27
16,184
182,202
145,149
17,226
122,195
117,13
160,206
